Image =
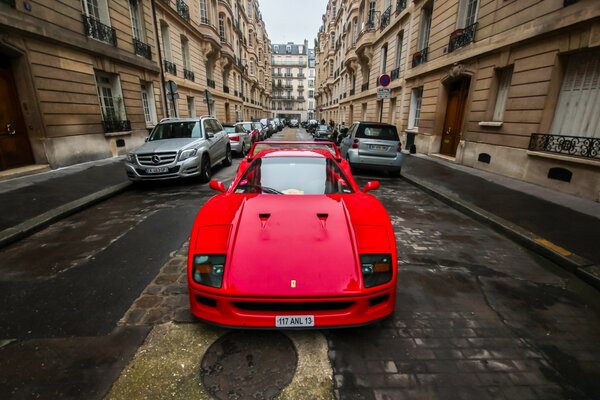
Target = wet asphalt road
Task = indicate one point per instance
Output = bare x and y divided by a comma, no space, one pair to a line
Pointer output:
477,316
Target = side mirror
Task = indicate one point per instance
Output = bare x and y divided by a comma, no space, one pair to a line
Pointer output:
371,185
210,135
218,185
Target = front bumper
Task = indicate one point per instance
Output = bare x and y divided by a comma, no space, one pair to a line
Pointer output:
375,162
179,169
256,312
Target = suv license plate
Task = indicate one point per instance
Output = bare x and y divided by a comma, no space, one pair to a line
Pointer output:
294,321
378,147
157,170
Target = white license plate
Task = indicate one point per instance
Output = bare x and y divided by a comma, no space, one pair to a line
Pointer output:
294,321
157,170
377,147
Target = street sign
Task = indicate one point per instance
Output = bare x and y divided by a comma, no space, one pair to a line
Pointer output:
383,93
385,80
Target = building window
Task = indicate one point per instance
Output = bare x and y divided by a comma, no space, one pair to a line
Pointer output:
185,50
311,94
467,13
503,77
110,96
425,28
97,9
249,11
414,114
191,106
136,21
222,28
384,54
148,103
398,59
203,12
578,109
166,42
330,69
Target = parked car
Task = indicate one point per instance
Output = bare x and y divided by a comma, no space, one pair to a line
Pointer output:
293,123
324,133
260,129
310,248
248,127
180,148
240,140
373,145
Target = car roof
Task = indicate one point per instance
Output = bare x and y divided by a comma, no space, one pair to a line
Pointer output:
373,123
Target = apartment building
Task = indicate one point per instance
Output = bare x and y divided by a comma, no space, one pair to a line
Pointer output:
510,87
87,79
290,80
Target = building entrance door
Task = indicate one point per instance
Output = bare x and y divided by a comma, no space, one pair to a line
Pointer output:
455,111
15,150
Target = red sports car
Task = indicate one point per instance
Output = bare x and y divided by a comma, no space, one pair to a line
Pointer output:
292,243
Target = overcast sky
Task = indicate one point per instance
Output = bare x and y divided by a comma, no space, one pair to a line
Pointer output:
292,20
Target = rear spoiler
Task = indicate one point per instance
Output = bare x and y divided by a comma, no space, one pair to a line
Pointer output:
329,146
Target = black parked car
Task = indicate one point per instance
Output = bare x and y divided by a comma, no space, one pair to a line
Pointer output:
324,133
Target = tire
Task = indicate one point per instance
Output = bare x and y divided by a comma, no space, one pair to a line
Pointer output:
205,172
394,173
243,152
352,169
228,159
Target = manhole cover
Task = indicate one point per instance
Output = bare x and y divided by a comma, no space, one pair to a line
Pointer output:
248,365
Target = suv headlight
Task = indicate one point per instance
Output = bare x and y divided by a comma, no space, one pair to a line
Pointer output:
187,154
208,269
131,157
376,269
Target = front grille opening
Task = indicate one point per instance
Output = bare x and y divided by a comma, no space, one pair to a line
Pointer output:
378,300
308,306
207,301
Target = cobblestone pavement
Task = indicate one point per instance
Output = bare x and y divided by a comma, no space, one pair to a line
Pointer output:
477,317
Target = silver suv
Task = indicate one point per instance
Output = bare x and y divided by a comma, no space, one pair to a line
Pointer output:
373,145
180,148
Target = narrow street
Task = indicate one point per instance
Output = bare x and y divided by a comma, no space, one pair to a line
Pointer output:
477,316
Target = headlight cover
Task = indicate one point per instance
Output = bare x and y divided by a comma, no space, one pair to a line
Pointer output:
187,154
208,269
376,269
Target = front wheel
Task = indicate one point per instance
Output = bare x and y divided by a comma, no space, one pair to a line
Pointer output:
205,172
228,159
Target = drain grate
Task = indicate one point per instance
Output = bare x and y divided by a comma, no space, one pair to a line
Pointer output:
255,365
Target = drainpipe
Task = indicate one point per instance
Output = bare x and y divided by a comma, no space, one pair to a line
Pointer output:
160,62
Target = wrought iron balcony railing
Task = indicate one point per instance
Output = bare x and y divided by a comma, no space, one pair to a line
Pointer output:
142,49
364,87
183,10
97,30
372,22
462,37
385,18
400,6
569,145
189,75
11,3
210,83
420,57
116,125
395,74
225,89
170,67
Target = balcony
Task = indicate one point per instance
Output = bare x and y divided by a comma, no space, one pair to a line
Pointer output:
142,49
585,147
400,6
210,83
385,18
183,10
301,76
300,98
97,30
170,67
288,75
11,3
189,75
111,125
364,87
288,86
419,57
225,89
462,37
395,74
352,92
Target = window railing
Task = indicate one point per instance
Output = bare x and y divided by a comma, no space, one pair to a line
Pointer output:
11,3
462,37
419,57
183,10
400,6
189,75
569,145
170,67
364,87
142,49
225,89
385,18
97,30
395,73
110,125
211,83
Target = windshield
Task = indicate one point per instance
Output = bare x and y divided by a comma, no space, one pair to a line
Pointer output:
176,130
294,175
247,127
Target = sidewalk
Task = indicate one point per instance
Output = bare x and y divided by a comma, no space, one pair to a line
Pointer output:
561,227
30,203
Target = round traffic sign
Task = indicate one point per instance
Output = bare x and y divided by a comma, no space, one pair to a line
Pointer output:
385,80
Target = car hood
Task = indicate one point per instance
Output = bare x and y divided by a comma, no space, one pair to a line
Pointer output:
159,146
286,245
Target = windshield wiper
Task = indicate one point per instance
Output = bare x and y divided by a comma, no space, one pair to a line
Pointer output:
265,189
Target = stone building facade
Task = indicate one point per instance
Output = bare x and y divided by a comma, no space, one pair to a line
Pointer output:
290,80
510,87
82,80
